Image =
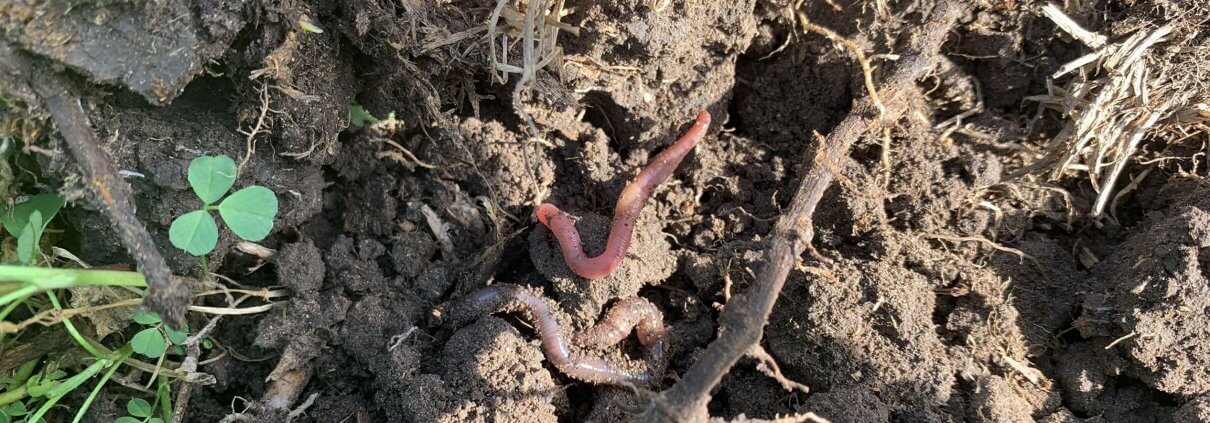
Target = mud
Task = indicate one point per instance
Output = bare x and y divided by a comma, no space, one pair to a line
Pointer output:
951,289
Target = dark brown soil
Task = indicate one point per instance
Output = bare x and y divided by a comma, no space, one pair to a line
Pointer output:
952,292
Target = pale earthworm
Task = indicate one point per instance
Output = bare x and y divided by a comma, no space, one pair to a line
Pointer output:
630,204
633,313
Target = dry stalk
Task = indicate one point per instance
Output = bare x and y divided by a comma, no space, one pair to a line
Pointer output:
1069,26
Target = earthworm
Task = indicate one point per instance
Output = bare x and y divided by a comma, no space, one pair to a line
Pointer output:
635,312
630,203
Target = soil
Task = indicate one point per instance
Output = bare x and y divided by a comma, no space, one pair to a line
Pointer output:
950,290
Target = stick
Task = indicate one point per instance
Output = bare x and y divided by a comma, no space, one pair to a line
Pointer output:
115,198
742,321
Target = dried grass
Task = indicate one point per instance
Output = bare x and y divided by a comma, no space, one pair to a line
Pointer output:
538,24
1149,86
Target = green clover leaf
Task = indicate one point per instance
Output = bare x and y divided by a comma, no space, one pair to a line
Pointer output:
15,409
249,212
138,407
145,317
15,220
211,177
195,232
177,337
149,342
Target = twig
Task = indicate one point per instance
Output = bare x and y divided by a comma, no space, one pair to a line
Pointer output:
164,295
742,322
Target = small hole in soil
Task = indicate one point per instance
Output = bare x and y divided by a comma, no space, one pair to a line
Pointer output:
209,93
1069,334
945,305
955,168
604,113
581,399
734,118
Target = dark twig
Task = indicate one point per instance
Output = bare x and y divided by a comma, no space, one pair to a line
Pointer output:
114,196
742,321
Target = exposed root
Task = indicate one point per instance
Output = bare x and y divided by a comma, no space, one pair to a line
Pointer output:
767,365
807,417
994,245
250,142
1031,374
52,317
399,154
867,71
1121,339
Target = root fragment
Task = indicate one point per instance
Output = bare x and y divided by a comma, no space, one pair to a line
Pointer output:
867,71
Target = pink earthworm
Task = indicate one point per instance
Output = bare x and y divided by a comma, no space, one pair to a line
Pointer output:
635,312
630,203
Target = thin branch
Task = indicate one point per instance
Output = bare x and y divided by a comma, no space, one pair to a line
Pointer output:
742,321
165,295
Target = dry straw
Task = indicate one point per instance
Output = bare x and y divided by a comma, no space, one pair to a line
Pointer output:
1120,95
536,25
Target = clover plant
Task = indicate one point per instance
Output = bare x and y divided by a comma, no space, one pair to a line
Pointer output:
249,212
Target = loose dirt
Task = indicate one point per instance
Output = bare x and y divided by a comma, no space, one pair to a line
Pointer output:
950,287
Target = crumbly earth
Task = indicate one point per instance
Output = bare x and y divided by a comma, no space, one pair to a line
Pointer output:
950,288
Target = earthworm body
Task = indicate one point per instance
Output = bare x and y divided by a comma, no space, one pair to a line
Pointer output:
630,203
633,313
